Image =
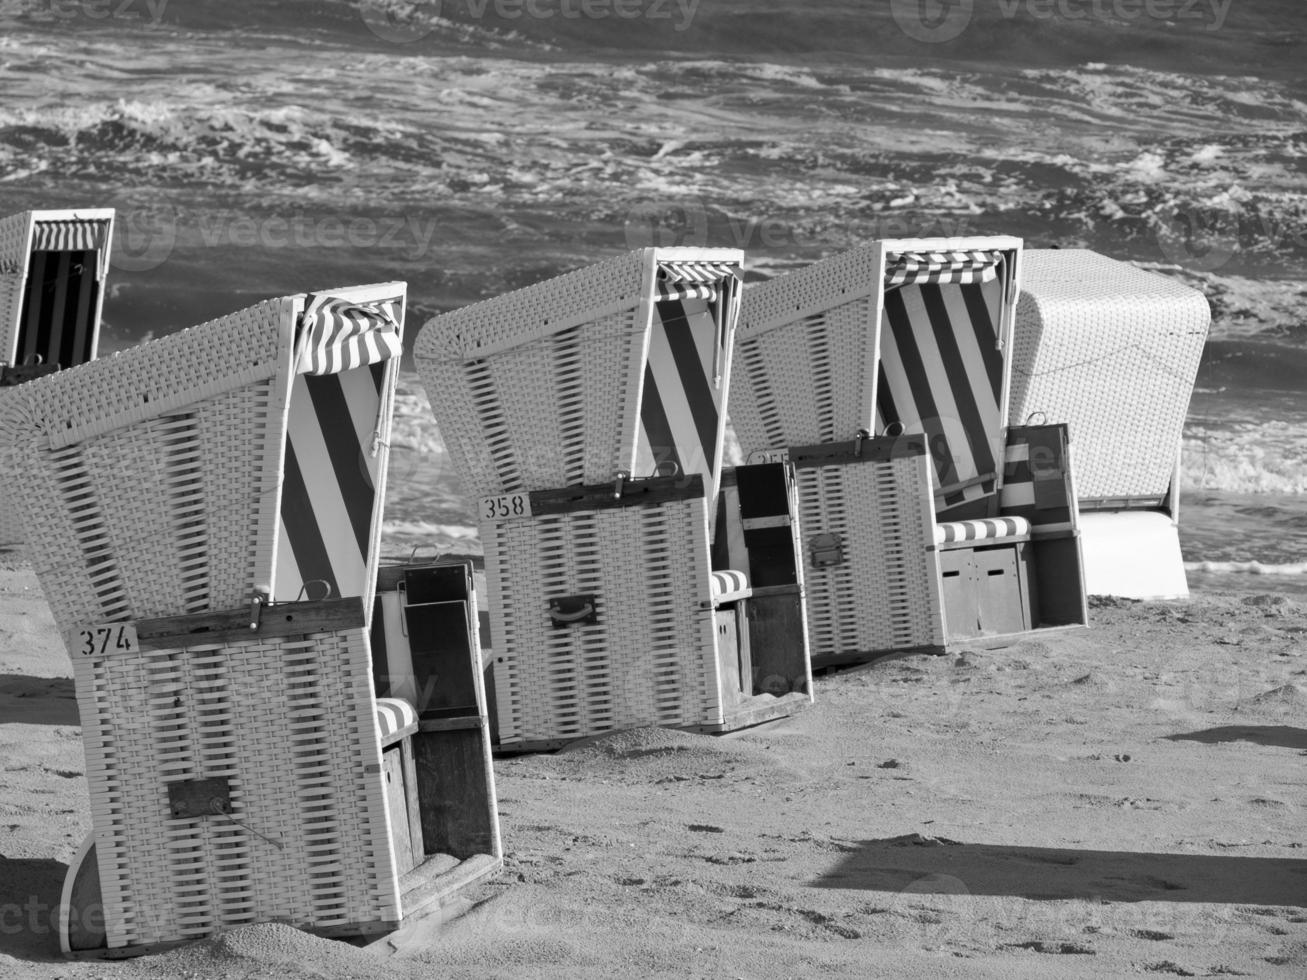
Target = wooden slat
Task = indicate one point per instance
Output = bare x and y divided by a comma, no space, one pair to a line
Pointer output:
633,493
878,450
285,619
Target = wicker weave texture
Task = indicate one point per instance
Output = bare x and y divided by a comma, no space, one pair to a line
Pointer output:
885,594
779,303
546,414
144,382
290,723
540,388
805,354
15,236
11,512
808,382
1112,351
651,657
11,312
170,515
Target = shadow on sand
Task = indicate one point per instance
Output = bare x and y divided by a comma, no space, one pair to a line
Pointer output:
30,889
1281,735
927,866
38,700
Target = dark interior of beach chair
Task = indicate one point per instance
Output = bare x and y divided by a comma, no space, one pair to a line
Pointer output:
439,779
61,298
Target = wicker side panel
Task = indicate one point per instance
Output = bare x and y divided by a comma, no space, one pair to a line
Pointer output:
11,511
821,286
289,722
145,382
885,594
1113,351
14,231
11,310
172,515
545,414
808,381
527,315
651,657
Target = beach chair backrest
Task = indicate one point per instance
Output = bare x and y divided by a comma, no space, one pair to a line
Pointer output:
542,387
683,403
153,479
347,351
52,272
946,324
806,355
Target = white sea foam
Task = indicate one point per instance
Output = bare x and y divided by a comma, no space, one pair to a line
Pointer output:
1246,568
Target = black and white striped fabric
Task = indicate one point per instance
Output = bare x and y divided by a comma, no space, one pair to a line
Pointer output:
394,715
983,530
941,375
728,582
692,280
684,387
920,268
329,498
69,236
339,334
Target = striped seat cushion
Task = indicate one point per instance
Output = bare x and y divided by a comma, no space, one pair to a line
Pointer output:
988,529
395,717
727,583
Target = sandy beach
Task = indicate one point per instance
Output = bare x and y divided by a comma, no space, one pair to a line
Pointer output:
1123,800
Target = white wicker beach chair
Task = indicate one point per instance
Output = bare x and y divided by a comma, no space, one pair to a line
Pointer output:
905,340
209,507
587,413
1113,351
53,266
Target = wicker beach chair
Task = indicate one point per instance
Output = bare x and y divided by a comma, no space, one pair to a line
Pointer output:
208,507
53,266
882,374
1113,351
587,414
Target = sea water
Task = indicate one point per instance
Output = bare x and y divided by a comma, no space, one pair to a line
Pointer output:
257,148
